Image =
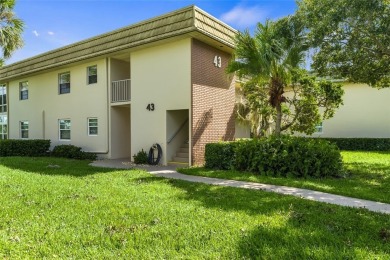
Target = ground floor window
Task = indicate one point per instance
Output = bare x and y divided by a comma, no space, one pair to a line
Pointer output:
3,127
3,112
319,128
64,129
24,129
92,126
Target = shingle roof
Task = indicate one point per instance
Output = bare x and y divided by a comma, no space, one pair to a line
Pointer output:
184,21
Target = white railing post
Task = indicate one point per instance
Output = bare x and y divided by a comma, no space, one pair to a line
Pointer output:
120,91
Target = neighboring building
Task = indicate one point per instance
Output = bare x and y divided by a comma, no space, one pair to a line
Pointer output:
159,81
364,114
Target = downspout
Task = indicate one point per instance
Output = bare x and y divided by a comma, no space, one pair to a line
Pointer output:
108,78
43,125
190,112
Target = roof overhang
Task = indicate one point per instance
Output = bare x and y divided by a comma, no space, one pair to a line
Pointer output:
187,22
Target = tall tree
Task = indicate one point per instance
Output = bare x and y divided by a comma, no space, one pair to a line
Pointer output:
275,89
351,38
11,29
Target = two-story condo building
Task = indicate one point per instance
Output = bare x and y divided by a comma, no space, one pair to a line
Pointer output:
158,81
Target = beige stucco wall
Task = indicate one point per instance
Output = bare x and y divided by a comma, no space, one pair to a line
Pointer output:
119,138
120,132
242,131
119,70
45,107
159,75
365,113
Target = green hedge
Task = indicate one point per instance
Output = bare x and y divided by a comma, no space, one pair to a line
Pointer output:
31,148
72,152
220,155
361,144
277,156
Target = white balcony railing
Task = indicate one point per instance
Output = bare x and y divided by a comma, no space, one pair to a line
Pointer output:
120,90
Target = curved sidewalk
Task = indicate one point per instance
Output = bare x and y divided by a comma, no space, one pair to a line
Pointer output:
170,172
302,193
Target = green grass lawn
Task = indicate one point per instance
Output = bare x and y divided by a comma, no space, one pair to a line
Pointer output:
367,176
78,211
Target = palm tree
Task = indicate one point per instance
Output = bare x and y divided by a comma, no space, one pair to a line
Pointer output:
252,110
11,29
267,60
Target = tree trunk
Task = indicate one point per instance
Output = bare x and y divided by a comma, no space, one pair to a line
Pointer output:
264,126
278,123
276,99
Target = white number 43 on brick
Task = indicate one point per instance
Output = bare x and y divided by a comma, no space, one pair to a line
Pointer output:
217,61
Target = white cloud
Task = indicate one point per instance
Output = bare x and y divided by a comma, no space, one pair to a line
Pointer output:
245,16
35,33
50,33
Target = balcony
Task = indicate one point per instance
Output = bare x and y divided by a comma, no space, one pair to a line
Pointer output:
120,91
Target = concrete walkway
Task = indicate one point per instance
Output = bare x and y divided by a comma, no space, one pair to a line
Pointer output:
171,173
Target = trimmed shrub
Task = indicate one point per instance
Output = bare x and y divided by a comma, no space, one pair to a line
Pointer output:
72,152
32,148
277,156
361,144
141,157
88,156
220,155
289,156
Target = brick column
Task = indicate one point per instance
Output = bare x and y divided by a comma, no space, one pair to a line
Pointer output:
213,97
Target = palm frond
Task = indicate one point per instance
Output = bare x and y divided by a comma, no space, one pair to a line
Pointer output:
11,29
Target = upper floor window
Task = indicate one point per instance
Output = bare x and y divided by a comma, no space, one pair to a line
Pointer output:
92,126
3,99
64,83
92,74
24,129
64,129
23,89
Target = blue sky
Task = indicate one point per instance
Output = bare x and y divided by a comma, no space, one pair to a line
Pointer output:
50,24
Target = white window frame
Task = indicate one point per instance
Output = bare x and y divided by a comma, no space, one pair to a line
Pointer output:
319,128
21,129
3,126
3,99
64,129
23,88
90,126
89,75
3,112
60,83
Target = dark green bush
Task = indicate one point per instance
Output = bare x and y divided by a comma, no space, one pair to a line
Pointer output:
141,157
88,156
277,156
361,144
220,155
289,156
72,152
30,148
